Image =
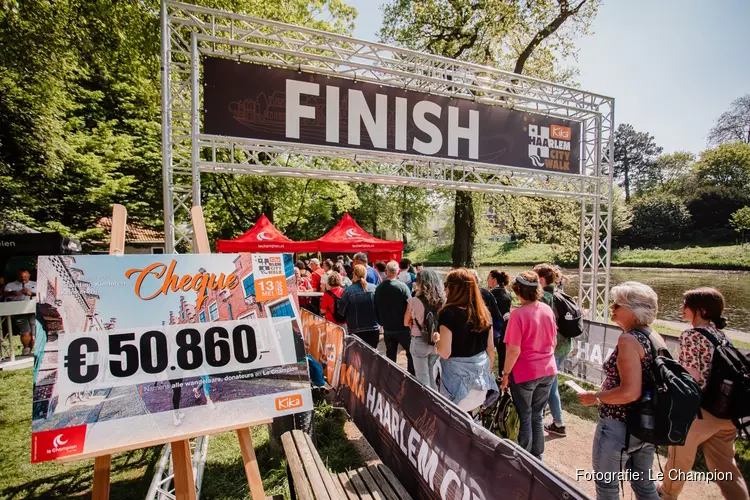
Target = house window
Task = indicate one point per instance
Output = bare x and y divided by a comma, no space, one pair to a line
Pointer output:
251,314
282,309
248,285
202,316
288,265
213,311
157,250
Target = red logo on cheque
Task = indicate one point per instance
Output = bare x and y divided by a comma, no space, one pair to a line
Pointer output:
57,443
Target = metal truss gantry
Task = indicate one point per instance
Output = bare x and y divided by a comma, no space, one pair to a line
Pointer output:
190,31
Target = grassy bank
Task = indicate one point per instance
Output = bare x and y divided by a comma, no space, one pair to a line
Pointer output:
224,475
731,257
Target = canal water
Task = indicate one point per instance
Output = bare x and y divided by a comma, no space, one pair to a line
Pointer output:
670,284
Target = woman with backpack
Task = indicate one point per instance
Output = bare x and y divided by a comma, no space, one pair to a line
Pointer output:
328,303
549,276
634,308
430,298
529,362
357,304
703,308
464,342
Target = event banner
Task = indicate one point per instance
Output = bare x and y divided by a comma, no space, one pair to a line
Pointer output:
261,102
594,346
324,341
140,350
432,446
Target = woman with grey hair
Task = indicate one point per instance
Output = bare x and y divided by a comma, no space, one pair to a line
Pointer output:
634,308
430,298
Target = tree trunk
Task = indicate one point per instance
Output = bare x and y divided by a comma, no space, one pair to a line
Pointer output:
465,224
626,184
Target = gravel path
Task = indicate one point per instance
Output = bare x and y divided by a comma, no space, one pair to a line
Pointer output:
565,455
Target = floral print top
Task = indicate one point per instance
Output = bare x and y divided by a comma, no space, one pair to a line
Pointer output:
696,351
612,380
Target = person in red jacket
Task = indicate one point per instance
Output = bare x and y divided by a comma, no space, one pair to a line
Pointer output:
327,302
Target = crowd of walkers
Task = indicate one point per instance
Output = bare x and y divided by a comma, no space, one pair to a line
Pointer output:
452,329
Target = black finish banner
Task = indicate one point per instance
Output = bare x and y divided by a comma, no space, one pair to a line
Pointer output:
259,102
433,448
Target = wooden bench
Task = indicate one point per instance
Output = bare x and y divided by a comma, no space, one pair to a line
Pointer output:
310,479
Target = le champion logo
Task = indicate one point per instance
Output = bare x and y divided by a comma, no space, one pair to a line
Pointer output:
57,443
263,236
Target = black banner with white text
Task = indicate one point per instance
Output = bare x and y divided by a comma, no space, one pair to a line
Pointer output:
434,449
260,102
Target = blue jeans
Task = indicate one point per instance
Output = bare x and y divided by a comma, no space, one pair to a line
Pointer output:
555,406
425,357
610,458
530,398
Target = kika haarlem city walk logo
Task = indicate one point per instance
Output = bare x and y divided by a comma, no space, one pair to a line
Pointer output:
549,147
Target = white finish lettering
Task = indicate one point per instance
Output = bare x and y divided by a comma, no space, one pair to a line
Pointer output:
420,110
377,127
332,114
455,132
296,111
401,123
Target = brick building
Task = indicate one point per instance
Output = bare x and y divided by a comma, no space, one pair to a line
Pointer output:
239,303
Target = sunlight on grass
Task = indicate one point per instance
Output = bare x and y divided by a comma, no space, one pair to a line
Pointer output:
224,475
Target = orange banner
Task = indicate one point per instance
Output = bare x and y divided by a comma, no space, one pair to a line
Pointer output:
324,341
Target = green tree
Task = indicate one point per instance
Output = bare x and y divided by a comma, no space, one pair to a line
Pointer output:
726,165
635,155
80,124
657,219
523,37
733,125
672,171
741,221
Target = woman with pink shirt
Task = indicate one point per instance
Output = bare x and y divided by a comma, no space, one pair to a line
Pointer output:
530,338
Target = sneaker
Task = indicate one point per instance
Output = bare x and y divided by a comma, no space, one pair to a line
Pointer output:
26,351
555,429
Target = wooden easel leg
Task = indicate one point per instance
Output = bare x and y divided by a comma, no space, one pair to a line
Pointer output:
251,464
184,483
101,477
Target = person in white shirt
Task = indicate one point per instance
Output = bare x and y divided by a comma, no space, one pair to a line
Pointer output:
23,324
404,275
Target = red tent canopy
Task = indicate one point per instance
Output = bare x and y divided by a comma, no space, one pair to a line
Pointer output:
348,237
264,237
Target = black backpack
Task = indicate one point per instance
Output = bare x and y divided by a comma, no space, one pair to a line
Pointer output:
430,322
338,316
727,393
568,315
665,417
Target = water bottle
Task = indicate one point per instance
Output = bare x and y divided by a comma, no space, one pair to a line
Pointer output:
725,393
646,406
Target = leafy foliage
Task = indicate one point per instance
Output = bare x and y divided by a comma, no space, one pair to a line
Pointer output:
80,120
656,219
740,221
524,37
